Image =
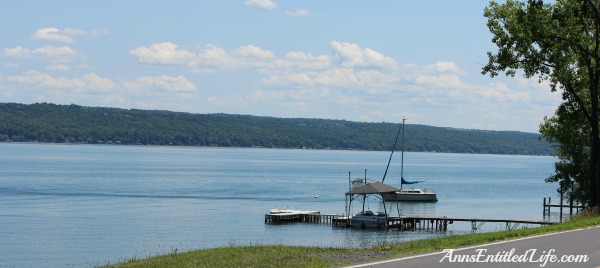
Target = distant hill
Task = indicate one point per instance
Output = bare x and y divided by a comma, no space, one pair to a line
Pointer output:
44,122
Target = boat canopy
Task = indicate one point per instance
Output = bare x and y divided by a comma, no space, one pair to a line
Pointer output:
403,181
373,188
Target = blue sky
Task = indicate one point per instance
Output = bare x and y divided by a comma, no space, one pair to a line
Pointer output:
355,60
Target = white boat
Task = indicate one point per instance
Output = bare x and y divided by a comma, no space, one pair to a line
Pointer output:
411,194
292,211
368,219
281,211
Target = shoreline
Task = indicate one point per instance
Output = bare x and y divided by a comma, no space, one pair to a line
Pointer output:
236,147
294,256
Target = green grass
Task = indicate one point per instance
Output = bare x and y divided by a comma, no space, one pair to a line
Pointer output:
295,256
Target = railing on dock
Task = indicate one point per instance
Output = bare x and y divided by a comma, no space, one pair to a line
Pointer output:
403,223
441,223
571,205
334,219
419,223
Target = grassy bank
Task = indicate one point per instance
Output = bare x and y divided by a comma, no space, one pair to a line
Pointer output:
294,256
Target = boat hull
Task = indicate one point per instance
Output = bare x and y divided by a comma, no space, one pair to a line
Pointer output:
411,197
364,223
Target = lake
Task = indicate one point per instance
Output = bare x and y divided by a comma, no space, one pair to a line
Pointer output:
84,205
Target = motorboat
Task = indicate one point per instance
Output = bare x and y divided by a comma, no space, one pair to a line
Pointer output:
277,215
292,211
368,219
281,210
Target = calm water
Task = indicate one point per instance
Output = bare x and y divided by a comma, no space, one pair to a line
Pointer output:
86,205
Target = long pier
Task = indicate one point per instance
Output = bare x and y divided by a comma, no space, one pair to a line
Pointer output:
441,223
433,223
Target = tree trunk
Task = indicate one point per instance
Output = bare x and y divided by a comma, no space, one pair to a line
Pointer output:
594,169
595,150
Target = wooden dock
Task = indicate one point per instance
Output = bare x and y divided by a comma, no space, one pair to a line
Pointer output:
436,223
279,218
404,223
571,205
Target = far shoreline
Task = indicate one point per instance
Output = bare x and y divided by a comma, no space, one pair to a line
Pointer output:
238,147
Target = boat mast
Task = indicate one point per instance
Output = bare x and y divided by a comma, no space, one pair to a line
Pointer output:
391,154
402,156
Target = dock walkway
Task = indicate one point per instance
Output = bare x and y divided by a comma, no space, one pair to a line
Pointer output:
434,223
441,223
561,205
306,217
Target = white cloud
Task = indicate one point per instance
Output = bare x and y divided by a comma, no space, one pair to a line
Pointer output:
502,92
17,52
164,82
305,57
351,78
54,34
264,4
349,66
56,54
51,34
334,77
291,99
302,60
212,58
51,51
378,79
444,67
308,94
163,53
92,80
444,81
88,81
252,52
297,13
74,31
267,96
351,55
231,100
347,100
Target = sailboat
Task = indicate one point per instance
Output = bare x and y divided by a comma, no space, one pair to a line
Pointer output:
410,194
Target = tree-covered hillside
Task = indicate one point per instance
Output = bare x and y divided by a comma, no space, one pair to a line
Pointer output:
45,122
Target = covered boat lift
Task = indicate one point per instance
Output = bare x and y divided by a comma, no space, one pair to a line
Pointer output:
374,188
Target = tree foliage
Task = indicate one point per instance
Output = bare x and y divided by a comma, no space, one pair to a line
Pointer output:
558,43
567,129
76,124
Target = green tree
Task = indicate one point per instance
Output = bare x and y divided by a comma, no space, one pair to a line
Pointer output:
558,43
567,128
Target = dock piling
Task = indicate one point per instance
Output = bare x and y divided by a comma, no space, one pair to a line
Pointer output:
317,218
571,205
